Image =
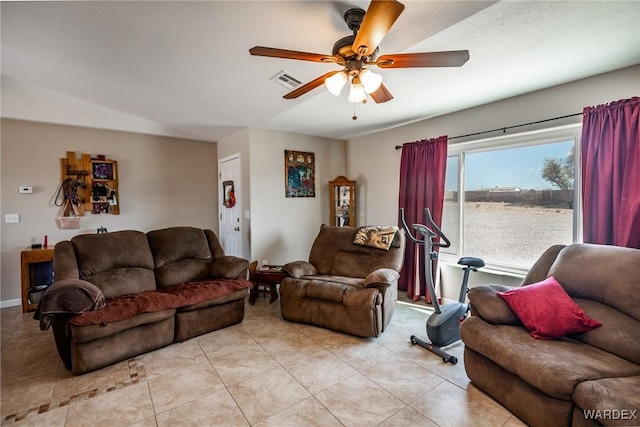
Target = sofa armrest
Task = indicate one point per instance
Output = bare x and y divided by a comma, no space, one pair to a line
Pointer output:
229,267
487,304
297,269
384,277
540,270
65,297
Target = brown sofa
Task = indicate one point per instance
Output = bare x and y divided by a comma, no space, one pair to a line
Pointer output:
117,295
582,379
346,287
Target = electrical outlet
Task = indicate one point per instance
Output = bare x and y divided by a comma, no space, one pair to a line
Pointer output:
11,218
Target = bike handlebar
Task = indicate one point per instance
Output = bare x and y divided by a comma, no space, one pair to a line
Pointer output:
425,230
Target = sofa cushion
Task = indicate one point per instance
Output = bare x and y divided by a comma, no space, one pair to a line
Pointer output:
82,334
180,254
351,264
175,243
298,269
185,270
329,291
619,333
610,401
603,273
185,294
124,281
229,267
224,299
552,366
118,263
355,282
547,311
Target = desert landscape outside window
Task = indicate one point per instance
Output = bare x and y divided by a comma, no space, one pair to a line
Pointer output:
518,200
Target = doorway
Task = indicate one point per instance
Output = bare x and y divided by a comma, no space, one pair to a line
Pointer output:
230,205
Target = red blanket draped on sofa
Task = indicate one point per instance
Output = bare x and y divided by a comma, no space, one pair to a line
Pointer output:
185,294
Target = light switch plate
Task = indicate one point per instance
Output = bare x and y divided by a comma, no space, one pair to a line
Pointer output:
11,218
25,189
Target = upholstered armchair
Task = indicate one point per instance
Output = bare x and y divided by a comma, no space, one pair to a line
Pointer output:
349,284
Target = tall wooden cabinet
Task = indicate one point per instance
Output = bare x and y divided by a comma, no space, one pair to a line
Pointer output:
342,196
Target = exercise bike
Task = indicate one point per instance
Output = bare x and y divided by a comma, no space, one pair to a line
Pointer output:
443,326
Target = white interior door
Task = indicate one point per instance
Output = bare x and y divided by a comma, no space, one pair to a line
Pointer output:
230,205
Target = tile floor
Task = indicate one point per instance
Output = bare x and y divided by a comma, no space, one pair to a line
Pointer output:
263,372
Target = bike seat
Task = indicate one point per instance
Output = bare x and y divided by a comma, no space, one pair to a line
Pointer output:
471,262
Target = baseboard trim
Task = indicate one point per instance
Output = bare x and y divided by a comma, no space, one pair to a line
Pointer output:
10,303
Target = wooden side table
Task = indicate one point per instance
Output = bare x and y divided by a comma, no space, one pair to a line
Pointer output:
270,276
28,257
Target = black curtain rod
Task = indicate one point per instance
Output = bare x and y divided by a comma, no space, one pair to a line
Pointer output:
504,129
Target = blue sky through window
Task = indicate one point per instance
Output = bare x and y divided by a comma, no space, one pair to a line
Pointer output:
511,167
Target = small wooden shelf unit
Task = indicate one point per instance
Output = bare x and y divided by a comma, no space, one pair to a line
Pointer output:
28,257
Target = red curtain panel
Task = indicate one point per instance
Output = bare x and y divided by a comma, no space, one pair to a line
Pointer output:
611,173
422,173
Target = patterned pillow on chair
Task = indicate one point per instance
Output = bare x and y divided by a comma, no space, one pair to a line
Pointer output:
377,236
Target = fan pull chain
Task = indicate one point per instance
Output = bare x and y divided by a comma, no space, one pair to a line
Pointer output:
354,112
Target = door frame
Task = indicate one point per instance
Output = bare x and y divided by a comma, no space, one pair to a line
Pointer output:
239,194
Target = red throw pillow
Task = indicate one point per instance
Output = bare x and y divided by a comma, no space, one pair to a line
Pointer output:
547,311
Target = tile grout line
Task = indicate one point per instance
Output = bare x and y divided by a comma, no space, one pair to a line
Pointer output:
137,373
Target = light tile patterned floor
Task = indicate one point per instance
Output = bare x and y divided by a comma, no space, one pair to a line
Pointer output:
263,372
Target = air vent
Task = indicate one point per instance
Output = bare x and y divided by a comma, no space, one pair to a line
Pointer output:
285,79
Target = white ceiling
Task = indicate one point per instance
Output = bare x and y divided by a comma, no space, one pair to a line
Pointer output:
185,66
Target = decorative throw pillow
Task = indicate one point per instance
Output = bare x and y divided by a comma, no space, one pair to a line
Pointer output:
376,236
547,311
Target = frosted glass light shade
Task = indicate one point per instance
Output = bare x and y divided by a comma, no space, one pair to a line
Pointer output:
336,82
370,80
357,93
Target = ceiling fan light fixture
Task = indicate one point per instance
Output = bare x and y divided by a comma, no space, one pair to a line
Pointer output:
370,80
357,51
357,93
336,82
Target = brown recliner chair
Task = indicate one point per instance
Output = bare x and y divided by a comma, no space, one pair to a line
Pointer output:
345,286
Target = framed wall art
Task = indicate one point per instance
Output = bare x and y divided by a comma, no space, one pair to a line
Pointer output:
103,170
299,174
229,194
90,183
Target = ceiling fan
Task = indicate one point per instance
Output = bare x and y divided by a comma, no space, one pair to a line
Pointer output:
355,52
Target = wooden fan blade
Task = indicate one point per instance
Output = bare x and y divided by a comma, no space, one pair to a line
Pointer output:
381,94
453,58
290,54
309,86
376,24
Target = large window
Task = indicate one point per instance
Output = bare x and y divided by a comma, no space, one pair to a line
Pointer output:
517,200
